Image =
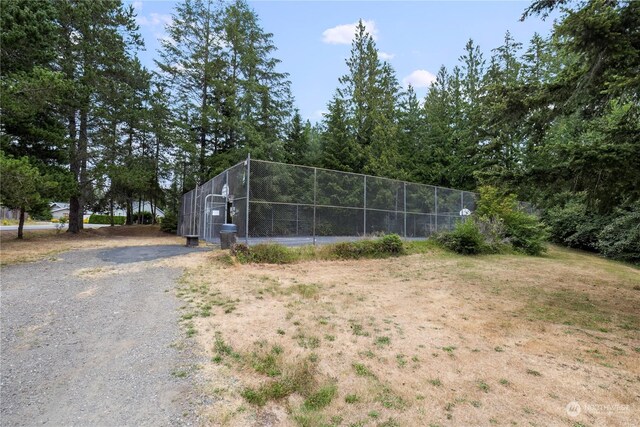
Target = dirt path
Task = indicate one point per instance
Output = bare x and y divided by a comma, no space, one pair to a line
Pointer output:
94,349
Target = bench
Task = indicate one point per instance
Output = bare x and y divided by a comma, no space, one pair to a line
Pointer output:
192,240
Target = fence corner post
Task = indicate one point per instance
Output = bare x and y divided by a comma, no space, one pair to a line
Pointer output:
246,223
405,209
315,195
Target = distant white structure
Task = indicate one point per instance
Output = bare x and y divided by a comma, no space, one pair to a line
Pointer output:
144,207
59,209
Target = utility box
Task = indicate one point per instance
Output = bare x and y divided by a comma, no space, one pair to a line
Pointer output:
228,234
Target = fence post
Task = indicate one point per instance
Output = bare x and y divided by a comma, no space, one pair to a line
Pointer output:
436,192
365,206
405,210
246,223
195,210
315,192
462,218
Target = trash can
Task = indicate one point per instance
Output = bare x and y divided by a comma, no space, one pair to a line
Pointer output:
228,234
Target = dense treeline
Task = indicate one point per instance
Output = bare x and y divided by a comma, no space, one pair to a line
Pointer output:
101,130
556,121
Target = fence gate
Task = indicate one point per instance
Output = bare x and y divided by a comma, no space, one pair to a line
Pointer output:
215,211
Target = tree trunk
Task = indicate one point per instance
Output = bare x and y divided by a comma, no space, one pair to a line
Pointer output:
153,211
83,153
112,223
21,223
74,167
79,169
129,211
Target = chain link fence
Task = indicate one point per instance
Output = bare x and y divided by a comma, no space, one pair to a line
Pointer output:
300,204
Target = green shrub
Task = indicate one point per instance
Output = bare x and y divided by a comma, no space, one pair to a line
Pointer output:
525,232
573,225
169,223
621,238
353,250
42,214
465,239
272,253
266,253
147,217
106,219
391,244
383,247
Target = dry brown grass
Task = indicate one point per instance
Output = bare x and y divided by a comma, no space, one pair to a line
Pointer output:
42,244
429,339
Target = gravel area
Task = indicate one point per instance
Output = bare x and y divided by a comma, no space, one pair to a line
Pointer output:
94,351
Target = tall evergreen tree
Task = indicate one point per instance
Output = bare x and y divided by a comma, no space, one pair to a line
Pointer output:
218,62
296,143
368,96
340,150
95,39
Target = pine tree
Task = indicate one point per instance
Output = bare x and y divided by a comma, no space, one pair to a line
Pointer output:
296,142
368,96
433,155
219,64
95,39
340,150
31,89
411,132
503,110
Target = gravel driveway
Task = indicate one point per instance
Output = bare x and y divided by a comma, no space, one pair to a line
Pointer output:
94,351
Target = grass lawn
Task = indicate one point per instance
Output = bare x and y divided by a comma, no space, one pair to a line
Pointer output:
425,339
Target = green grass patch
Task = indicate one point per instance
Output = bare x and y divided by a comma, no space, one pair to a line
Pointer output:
267,364
299,378
351,399
362,370
320,398
304,290
573,308
390,400
382,341
305,341
482,385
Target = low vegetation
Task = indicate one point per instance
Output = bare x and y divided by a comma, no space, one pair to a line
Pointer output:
272,253
429,338
614,234
106,219
497,226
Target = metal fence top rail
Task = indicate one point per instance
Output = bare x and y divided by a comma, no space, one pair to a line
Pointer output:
356,174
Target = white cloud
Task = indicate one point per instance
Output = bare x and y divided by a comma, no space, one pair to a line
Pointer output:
386,56
419,78
343,34
154,20
137,5
318,115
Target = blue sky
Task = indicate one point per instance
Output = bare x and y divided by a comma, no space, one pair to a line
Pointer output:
416,37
